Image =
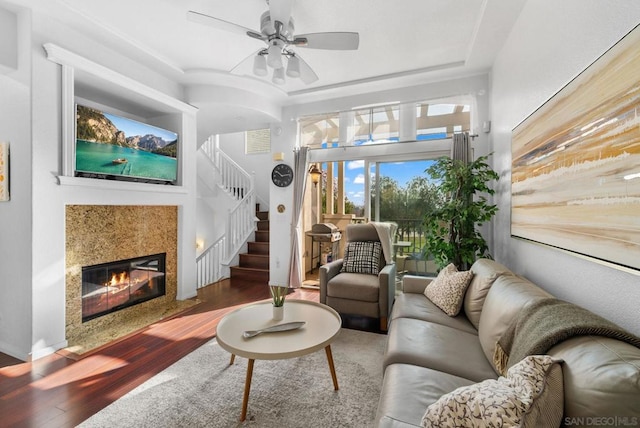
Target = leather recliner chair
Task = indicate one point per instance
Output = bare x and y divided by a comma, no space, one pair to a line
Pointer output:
361,294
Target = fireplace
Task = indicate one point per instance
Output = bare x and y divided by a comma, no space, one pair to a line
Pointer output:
109,287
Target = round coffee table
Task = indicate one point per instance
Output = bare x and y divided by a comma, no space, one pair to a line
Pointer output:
322,325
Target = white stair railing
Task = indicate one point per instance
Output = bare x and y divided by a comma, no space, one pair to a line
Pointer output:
239,185
241,222
234,180
209,264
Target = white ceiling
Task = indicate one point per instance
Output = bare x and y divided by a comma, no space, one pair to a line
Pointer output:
401,42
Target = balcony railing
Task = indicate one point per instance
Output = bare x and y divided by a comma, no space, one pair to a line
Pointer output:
409,255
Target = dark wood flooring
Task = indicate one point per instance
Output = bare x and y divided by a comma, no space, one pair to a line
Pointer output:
62,391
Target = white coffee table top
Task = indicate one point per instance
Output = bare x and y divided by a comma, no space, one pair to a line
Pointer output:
322,326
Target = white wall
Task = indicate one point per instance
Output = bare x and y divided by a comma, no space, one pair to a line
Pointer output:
15,215
551,43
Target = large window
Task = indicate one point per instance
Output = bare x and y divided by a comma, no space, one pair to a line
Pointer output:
388,183
401,192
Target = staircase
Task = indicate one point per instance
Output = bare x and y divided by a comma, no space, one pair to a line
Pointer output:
254,265
242,221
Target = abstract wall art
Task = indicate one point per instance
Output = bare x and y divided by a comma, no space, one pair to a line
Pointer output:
575,181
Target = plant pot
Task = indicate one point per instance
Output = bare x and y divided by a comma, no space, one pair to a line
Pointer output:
278,313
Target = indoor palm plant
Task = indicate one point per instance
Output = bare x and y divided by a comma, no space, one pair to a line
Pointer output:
450,227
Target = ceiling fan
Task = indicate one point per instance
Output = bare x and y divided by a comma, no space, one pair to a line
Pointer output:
277,31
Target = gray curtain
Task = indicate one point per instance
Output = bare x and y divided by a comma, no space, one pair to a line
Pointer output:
461,149
299,185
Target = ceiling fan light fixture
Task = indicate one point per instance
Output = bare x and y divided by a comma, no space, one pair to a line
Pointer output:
275,56
277,31
260,65
293,66
278,76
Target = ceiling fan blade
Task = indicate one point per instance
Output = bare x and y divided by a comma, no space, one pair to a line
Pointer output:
333,41
244,67
280,10
307,75
220,24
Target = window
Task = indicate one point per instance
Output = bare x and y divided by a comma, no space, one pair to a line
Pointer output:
320,130
376,125
381,124
436,121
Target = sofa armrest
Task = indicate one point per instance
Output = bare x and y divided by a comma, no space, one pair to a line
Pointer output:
415,284
328,271
387,278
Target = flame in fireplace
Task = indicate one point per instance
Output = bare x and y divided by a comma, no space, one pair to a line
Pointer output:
121,281
118,279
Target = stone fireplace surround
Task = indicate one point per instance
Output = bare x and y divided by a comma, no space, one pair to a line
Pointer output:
104,233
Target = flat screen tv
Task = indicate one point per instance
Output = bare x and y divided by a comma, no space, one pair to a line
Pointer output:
116,148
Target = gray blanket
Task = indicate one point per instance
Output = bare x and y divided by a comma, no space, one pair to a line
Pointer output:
547,322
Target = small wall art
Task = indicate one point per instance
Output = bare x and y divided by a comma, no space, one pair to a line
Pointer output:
4,171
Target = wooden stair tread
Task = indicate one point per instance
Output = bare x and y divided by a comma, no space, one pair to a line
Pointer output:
254,264
250,269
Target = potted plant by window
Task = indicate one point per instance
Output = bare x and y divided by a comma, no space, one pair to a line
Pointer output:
450,227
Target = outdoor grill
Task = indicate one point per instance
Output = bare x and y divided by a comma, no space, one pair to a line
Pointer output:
324,232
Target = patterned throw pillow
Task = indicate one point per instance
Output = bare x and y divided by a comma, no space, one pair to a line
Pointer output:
362,257
447,290
531,395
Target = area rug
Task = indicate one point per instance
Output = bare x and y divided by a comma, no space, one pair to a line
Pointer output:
203,390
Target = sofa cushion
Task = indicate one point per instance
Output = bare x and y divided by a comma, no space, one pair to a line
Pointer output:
506,297
362,257
530,395
438,347
354,286
417,306
485,272
407,390
448,289
601,378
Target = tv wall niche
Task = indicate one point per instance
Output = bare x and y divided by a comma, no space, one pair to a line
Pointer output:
575,163
93,85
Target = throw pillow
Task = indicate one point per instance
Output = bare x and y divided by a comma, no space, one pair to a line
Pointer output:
447,290
362,257
531,395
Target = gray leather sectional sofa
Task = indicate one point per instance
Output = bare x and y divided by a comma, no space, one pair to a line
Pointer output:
430,354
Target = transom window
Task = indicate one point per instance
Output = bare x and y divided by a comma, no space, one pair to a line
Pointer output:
382,124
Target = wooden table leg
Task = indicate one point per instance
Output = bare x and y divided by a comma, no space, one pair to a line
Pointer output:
331,367
247,388
233,358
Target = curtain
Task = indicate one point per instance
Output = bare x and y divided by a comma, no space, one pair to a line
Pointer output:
461,149
299,185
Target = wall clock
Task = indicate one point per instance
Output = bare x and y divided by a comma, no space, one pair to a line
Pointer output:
282,175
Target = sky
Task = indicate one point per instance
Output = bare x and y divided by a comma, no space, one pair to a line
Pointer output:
402,172
132,128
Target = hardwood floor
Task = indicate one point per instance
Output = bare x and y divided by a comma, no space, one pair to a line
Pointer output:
61,391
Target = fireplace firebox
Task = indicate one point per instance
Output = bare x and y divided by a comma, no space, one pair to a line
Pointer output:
109,287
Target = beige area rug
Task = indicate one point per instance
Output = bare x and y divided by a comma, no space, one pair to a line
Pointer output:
203,390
